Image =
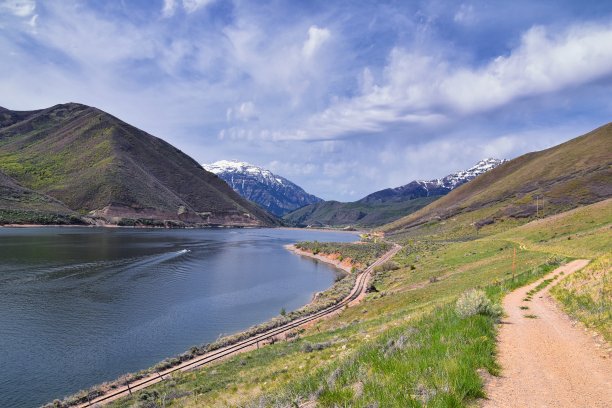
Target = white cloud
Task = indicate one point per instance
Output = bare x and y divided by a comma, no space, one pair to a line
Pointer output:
169,8
423,89
194,5
277,66
316,38
19,8
190,6
299,95
544,62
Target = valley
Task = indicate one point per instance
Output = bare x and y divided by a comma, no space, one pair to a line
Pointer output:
275,204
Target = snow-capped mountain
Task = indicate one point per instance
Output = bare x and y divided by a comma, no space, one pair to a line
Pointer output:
436,187
274,193
454,180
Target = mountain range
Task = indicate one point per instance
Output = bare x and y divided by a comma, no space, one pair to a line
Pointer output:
537,184
90,167
75,164
386,205
274,193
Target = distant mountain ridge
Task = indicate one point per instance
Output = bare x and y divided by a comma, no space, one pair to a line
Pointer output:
272,192
575,173
389,204
111,172
436,187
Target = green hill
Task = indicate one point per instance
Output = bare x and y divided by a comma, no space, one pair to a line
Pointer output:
385,206
358,213
409,342
551,181
98,165
20,205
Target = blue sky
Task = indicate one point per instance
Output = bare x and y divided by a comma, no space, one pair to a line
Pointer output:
341,97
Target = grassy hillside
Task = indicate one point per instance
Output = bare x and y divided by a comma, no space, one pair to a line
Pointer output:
358,213
362,253
406,345
572,174
92,161
20,205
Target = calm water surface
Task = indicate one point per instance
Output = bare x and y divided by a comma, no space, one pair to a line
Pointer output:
79,306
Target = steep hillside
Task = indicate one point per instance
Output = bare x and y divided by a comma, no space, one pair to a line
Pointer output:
575,173
386,205
20,205
95,163
272,192
337,214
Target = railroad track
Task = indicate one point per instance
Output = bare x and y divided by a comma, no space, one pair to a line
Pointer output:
252,342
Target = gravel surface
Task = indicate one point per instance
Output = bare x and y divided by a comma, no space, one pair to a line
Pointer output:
547,360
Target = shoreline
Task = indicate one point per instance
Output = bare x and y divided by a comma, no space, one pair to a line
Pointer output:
338,267
115,226
112,226
243,341
323,258
356,232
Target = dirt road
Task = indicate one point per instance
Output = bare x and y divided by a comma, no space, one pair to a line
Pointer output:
546,360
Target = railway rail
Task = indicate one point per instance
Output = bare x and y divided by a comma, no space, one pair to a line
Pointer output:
252,342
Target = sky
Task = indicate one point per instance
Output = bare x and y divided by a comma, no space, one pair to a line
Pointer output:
342,97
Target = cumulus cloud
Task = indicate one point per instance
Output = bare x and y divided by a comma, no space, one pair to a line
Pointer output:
342,106
423,89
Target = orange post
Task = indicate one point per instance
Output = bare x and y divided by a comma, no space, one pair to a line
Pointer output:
513,263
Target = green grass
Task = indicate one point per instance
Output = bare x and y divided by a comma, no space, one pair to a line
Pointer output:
361,362
432,361
569,175
37,217
280,370
46,151
586,295
363,253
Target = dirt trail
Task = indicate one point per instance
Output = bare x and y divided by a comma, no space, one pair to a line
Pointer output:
547,361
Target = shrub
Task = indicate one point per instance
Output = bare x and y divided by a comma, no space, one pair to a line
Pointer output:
310,347
475,302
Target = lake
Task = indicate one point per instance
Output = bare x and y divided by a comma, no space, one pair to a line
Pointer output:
79,306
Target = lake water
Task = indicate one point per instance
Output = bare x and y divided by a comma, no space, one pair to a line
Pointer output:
79,306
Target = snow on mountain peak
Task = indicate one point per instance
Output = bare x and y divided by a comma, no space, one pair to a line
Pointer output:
275,193
454,180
